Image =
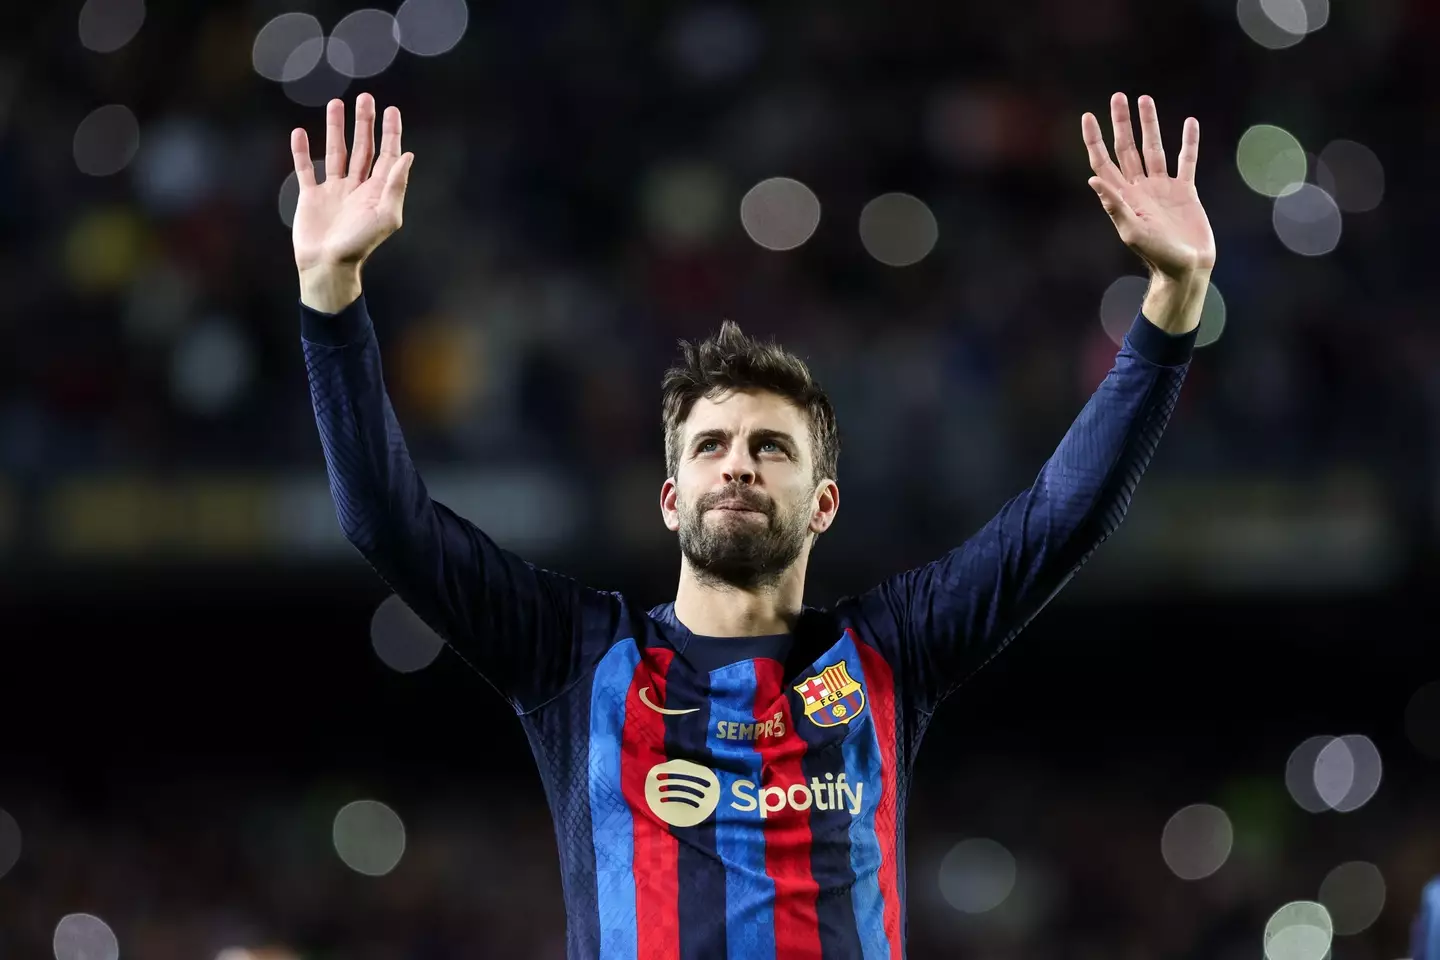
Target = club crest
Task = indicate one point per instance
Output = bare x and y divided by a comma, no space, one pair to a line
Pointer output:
832,696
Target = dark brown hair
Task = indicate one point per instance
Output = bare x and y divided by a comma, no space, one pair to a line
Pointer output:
730,360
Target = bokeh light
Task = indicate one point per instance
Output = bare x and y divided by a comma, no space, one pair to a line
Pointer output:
1300,775
1422,720
1354,893
1212,318
83,936
1317,14
1260,27
1119,304
402,640
1300,930
977,875
1297,16
1277,24
780,213
1307,221
179,165
1288,15
105,247
10,842
713,42
683,203
211,366
363,44
898,229
369,837
1271,160
107,25
1124,297
106,140
1197,841
1355,175
323,83
428,28
339,57
290,193
288,47
1334,772
1366,771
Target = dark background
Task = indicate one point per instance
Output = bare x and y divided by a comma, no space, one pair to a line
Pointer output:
188,688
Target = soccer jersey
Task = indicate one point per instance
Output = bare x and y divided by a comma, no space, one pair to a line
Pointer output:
729,797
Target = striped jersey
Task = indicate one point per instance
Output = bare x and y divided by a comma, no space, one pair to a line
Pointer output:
729,797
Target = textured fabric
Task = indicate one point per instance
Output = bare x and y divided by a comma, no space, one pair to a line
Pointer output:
729,797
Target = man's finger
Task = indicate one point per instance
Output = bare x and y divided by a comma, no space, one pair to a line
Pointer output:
1098,153
362,150
1151,144
1189,150
1125,153
334,139
389,143
300,152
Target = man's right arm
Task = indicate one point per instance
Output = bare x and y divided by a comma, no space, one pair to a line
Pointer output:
520,626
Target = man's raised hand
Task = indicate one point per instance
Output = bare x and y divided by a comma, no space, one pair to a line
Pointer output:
1157,215
340,222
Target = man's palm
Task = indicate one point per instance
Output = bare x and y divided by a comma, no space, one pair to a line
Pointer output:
1170,229
343,220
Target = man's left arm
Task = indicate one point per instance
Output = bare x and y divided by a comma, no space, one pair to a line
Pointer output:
956,613
963,608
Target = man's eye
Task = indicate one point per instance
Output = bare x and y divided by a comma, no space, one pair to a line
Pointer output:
773,444
707,445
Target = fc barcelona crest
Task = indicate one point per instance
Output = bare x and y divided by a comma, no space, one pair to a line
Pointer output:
832,696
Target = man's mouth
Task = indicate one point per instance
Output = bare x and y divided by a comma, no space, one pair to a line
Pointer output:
736,506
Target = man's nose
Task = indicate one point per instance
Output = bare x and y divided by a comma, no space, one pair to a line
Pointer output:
739,468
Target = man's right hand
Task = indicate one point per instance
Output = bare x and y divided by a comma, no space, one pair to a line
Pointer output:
340,222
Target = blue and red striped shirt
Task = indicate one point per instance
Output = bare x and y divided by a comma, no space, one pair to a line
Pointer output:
729,797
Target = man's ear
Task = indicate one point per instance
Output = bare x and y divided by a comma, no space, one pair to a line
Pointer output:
827,504
669,510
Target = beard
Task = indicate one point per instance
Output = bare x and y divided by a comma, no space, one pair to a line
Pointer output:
740,550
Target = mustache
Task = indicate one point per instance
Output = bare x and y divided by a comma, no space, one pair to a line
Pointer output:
747,497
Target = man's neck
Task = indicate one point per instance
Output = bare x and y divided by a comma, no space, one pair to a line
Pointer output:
723,611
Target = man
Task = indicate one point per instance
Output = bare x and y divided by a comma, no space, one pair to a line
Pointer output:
727,773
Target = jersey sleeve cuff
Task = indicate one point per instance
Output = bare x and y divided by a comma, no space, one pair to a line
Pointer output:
336,329
1157,346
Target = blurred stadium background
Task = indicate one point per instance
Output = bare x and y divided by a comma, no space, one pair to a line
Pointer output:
221,740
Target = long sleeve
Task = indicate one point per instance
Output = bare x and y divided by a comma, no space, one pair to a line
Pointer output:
523,628
949,617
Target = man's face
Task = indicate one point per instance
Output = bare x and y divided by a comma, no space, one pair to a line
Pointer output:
744,494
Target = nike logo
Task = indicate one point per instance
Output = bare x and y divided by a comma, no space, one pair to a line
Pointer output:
645,699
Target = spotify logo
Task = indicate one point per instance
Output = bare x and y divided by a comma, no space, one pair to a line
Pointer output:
681,793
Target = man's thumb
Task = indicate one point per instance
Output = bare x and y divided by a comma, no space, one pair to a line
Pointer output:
1110,199
398,179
